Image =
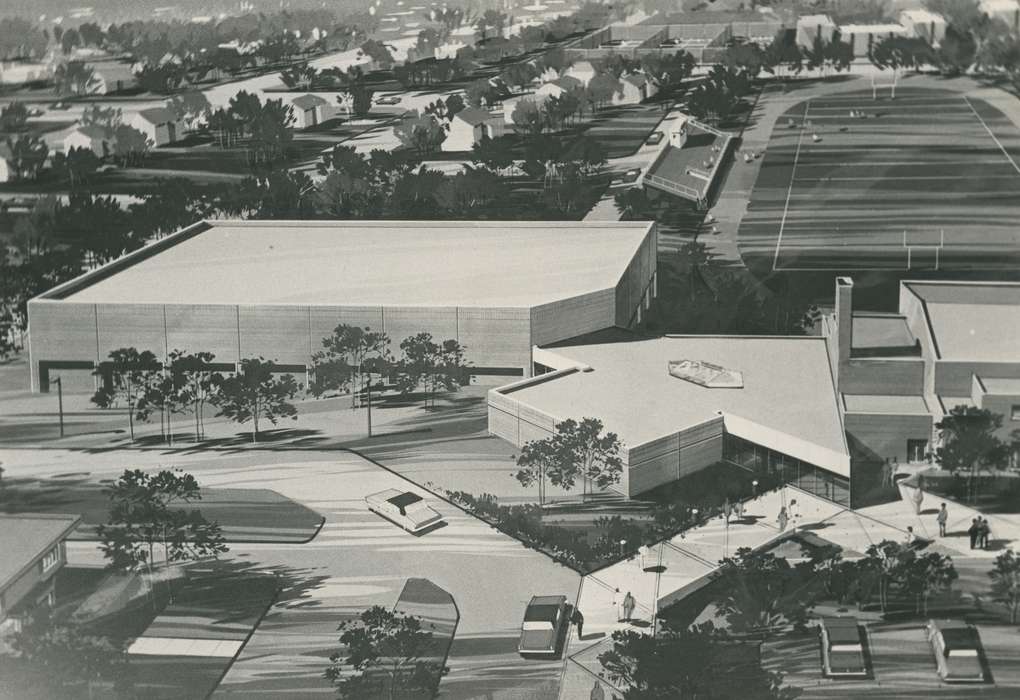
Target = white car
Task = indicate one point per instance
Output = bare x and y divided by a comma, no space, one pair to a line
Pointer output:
406,509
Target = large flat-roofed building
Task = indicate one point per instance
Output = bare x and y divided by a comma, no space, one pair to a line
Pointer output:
950,343
274,289
683,403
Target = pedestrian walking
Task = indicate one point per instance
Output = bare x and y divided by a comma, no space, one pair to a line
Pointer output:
917,497
984,532
911,538
616,603
645,554
739,509
973,532
597,693
782,519
628,607
578,619
942,518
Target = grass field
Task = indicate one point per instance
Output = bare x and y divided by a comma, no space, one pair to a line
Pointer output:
927,181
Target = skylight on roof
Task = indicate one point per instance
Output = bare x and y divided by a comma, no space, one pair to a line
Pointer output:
706,374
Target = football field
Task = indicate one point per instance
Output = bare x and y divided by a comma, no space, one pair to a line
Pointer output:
928,180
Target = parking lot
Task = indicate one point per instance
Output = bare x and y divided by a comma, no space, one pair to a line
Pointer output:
358,560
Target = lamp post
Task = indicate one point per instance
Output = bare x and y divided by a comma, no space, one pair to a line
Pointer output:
754,485
623,545
60,403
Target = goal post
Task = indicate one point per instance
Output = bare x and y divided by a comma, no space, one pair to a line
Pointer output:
877,85
930,246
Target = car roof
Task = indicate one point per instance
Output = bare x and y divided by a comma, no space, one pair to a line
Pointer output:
958,635
402,500
842,629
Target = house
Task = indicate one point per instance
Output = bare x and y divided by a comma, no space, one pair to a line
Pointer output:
310,110
810,27
90,137
559,87
159,124
634,89
1007,11
922,24
583,71
468,127
112,76
33,552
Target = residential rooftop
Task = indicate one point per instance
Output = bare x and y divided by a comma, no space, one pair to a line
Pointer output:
974,321
379,263
787,386
27,536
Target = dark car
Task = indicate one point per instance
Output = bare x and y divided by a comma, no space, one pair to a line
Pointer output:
843,653
957,648
544,620
655,138
629,177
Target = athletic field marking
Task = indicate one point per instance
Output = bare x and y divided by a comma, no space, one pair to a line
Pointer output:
905,177
994,137
789,190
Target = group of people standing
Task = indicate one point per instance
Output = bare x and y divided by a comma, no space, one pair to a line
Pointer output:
979,532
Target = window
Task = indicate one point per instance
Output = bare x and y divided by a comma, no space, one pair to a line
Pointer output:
1014,455
51,558
917,451
1014,412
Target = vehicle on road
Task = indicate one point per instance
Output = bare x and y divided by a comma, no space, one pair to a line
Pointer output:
403,508
843,654
628,177
957,649
391,100
545,621
35,112
60,105
106,167
655,138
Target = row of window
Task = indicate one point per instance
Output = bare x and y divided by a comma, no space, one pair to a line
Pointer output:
787,469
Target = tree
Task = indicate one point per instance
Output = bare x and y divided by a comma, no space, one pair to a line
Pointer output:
430,365
299,76
199,382
956,51
270,131
254,393
190,107
923,574
63,657
759,593
496,154
151,509
128,376
386,654
421,132
161,78
577,450
482,93
491,22
74,78
529,118
27,154
130,145
602,88
356,100
13,117
1006,583
378,52
341,364
701,661
969,442
76,166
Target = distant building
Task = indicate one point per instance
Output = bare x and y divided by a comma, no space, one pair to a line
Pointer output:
949,344
113,76
505,287
21,72
560,86
922,24
635,88
1008,11
33,552
6,172
159,124
90,137
310,110
468,127
811,27
863,37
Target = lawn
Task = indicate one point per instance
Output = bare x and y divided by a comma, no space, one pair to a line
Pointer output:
927,181
245,515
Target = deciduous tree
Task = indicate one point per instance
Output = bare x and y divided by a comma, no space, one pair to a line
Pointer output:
256,392
430,365
128,375
1006,583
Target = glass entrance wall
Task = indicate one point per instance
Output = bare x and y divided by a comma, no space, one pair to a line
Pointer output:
787,469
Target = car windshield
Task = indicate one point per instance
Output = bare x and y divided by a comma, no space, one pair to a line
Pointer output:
536,625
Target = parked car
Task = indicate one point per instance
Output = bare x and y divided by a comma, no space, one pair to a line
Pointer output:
545,621
60,105
106,167
957,648
655,138
843,653
35,112
403,508
391,100
629,176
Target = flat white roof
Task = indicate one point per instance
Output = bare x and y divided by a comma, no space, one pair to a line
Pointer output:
973,321
878,403
823,20
922,16
787,387
871,28
384,263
